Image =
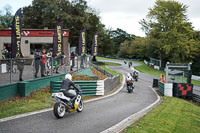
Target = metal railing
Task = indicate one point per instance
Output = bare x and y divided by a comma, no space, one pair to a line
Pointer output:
101,70
196,98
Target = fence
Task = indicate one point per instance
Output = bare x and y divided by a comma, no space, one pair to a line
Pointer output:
31,68
101,70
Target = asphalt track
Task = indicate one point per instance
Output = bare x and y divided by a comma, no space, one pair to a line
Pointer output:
97,116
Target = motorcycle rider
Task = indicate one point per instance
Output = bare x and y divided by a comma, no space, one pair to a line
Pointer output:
129,78
65,87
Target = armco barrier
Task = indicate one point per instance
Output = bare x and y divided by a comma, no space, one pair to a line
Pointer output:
196,98
111,82
24,88
89,88
101,70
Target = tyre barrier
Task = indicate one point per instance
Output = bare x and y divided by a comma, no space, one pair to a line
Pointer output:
89,88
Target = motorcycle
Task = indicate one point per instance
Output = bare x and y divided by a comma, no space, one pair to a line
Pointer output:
67,104
135,76
130,86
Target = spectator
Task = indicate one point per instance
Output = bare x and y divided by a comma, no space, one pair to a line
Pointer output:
162,78
37,58
49,60
4,52
57,58
20,67
43,62
72,58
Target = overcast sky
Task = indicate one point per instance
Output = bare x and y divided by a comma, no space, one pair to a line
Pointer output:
124,14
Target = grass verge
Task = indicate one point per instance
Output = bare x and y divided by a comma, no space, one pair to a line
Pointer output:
38,100
145,69
112,71
110,63
173,115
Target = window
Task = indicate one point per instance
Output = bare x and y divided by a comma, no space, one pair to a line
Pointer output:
39,47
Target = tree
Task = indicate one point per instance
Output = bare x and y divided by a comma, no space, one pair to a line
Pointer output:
168,26
6,19
119,36
75,14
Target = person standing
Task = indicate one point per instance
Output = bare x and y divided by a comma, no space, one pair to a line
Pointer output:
4,52
43,62
37,58
20,67
72,58
56,61
49,61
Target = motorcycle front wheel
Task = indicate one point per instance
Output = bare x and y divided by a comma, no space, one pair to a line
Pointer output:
80,106
59,110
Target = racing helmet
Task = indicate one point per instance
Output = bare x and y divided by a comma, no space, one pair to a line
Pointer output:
68,76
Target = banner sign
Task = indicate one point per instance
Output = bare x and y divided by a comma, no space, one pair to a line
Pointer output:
95,44
82,43
16,35
58,40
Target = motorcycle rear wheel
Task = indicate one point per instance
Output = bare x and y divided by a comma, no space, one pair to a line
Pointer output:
59,110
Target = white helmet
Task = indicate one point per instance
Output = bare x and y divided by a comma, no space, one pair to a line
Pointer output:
68,76
128,74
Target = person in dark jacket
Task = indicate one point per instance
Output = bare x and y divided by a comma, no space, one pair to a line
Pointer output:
37,58
66,84
73,62
20,67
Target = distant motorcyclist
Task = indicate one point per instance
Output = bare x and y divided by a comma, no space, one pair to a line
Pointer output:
65,87
135,75
129,82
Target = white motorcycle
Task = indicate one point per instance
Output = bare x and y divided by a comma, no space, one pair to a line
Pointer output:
64,104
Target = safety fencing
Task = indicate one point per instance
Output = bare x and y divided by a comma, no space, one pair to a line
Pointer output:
24,88
89,88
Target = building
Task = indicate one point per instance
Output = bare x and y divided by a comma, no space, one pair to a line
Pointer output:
34,39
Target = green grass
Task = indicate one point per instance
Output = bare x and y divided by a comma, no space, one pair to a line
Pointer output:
196,82
145,69
111,64
103,58
112,71
38,100
173,115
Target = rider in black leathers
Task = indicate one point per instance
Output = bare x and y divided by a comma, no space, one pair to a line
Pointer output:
66,84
